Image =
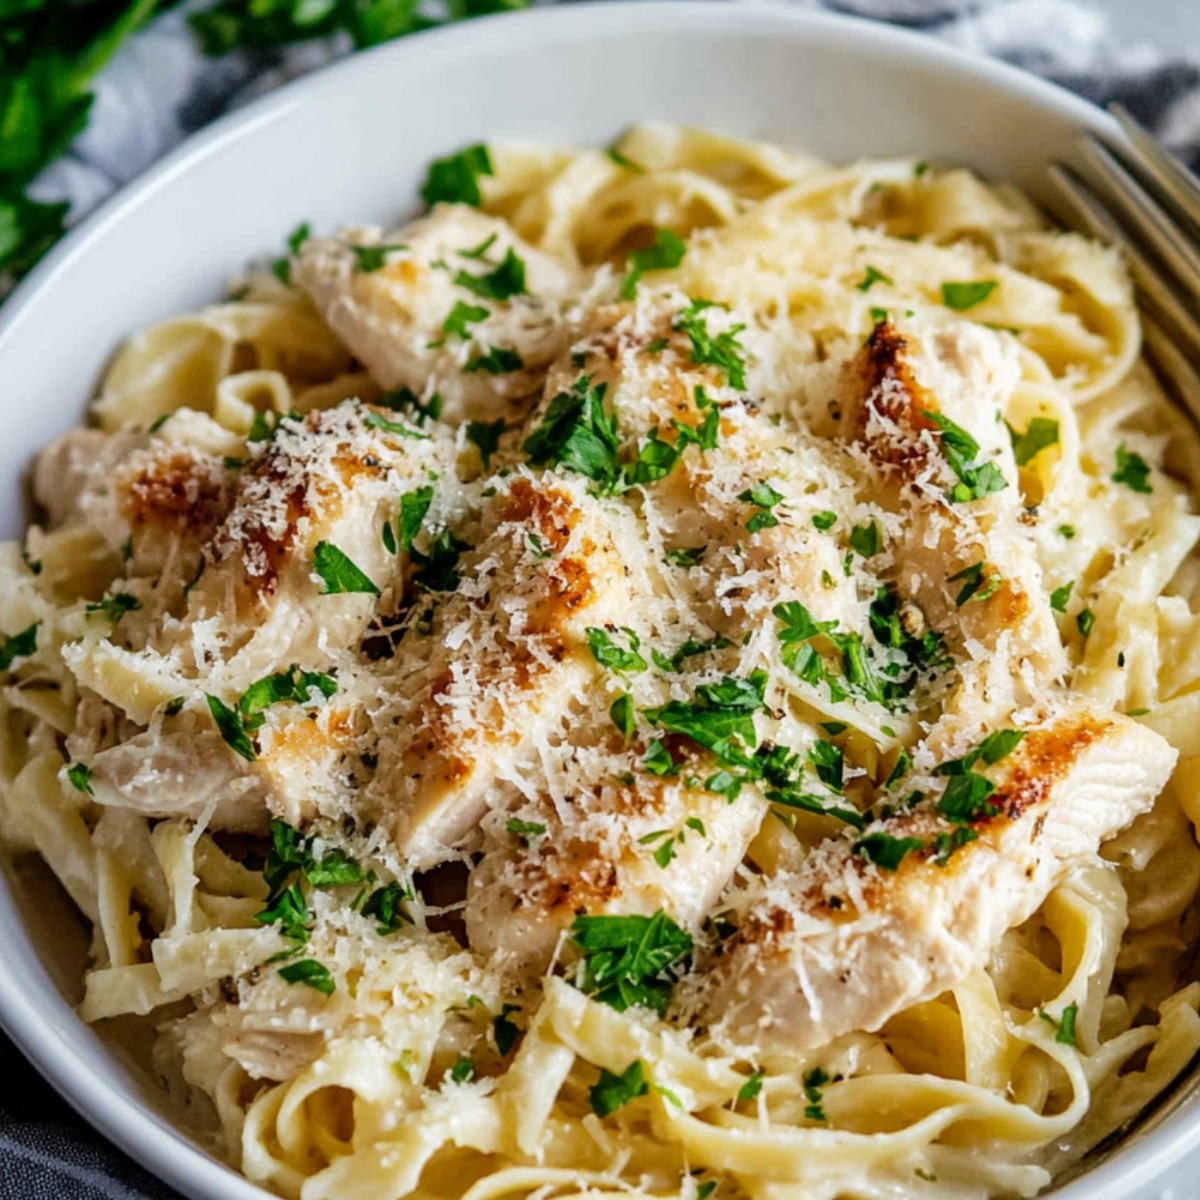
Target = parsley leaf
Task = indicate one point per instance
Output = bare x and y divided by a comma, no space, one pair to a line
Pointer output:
1133,471
885,851
814,1081
293,684
79,776
611,1091
824,520
966,799
719,717
413,507
764,497
622,715
485,435
338,573
1038,435
496,360
616,658
976,478
872,277
526,831
750,1089
504,1031
372,258
311,973
406,400
461,317
723,350
961,296
626,958
1084,621
282,267
384,905
18,645
374,420
577,433
437,569
623,160
975,586
686,556
1065,1026
455,178
690,649
666,252
115,606
463,1070
1060,596
231,727
659,761
829,764
502,283
866,540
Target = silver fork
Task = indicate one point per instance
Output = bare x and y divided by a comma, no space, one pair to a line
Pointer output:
1141,198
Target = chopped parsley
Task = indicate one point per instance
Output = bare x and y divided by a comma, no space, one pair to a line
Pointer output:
374,420
1067,531
1084,621
1060,596
437,568
961,296
825,520
231,727
173,707
463,1070
764,497
485,436
310,973
455,178
407,401
626,958
79,776
413,507
975,584
384,905
690,649
624,161
479,253
115,606
611,1092
1039,434
622,714
282,267
338,573
613,656
829,764
501,283
885,851
373,258
18,645
1133,471
866,540
496,360
750,1089
462,316
723,350
976,478
719,717
686,556
525,831
814,1081
666,252
1065,1025
872,277
504,1031
659,761
578,434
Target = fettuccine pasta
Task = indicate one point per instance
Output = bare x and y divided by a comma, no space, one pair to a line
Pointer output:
672,674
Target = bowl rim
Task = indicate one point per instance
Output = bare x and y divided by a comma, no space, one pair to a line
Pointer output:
166,1150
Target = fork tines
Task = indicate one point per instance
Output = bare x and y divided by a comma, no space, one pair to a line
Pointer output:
1142,199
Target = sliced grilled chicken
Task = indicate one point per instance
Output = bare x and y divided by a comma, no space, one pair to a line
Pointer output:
459,305
962,552
841,943
616,847
510,655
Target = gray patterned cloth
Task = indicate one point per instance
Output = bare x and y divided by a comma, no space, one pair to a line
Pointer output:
160,88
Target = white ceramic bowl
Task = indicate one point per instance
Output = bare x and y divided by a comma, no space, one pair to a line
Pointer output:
352,143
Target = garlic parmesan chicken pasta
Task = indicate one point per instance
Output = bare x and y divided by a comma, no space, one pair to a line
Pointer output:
674,673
